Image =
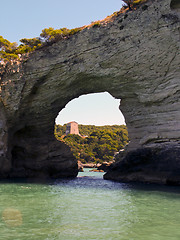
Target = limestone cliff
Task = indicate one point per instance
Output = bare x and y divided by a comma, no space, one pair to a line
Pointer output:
135,58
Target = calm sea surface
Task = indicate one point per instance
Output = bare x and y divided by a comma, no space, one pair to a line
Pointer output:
88,207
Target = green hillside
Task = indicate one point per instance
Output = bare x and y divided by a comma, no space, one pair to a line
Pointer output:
100,145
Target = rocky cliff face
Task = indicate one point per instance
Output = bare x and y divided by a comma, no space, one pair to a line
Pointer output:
135,58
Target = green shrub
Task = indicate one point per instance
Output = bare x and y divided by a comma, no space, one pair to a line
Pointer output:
50,34
96,24
10,51
100,145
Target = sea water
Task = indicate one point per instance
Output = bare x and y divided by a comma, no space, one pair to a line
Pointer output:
88,207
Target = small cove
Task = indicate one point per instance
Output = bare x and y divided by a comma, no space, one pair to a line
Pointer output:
89,207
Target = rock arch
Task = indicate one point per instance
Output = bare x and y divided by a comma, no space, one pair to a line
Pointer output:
134,57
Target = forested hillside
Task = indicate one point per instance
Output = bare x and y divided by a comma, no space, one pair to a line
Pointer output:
99,145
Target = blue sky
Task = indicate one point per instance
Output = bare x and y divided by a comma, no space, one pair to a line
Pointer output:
26,19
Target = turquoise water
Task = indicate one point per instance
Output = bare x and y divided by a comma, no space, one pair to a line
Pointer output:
88,207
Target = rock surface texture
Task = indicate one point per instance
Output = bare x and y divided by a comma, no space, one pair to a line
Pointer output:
136,58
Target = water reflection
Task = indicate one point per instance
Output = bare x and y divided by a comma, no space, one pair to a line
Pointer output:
87,208
103,208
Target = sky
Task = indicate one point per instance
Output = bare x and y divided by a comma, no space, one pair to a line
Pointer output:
95,109
26,19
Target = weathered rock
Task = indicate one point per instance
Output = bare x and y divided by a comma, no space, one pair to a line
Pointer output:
95,170
105,166
80,167
135,58
149,164
89,165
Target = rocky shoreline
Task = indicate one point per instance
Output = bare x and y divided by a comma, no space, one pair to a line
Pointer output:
99,167
152,164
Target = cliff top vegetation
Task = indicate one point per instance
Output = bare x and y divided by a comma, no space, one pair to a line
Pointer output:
11,51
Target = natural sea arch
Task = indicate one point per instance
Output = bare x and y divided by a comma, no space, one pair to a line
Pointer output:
134,57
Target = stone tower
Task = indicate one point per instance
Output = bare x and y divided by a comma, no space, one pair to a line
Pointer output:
72,128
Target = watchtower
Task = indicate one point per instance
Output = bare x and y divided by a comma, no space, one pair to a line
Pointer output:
72,128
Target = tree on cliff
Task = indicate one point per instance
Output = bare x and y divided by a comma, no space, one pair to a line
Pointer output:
129,3
50,34
132,3
10,51
7,49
